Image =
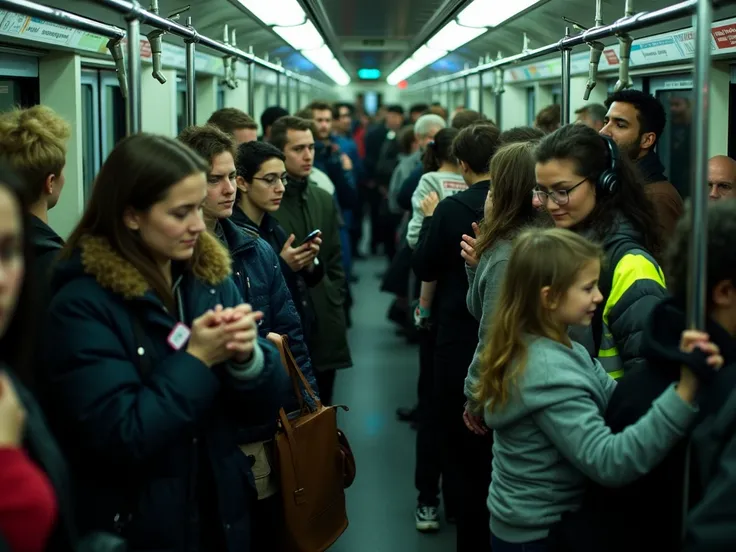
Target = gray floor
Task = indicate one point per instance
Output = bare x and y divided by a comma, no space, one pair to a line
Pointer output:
381,501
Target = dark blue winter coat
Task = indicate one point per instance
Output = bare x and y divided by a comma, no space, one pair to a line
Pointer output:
157,452
257,273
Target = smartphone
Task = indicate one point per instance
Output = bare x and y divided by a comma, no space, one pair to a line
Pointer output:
311,236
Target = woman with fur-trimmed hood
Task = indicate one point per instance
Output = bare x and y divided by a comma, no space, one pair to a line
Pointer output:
154,360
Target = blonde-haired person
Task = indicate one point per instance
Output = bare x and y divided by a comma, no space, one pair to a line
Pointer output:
508,210
544,397
33,142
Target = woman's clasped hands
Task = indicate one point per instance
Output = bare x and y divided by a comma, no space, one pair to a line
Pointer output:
221,334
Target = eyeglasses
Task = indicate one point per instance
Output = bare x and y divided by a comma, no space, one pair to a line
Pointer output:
560,197
272,179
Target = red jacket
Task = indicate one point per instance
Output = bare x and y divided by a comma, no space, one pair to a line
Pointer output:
28,506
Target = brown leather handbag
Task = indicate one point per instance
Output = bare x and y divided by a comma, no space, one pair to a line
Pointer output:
312,467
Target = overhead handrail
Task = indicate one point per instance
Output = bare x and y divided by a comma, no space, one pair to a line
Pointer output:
54,15
621,26
131,9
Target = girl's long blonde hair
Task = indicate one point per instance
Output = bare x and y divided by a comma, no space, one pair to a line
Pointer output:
540,258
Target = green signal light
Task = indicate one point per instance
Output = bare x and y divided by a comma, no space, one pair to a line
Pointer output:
369,74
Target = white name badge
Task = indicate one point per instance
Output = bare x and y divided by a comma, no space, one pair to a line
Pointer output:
179,336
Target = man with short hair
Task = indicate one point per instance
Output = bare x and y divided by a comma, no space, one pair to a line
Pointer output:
592,115
721,177
635,121
416,111
305,208
33,143
236,123
269,116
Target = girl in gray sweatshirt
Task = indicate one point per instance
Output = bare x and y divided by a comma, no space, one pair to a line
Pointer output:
544,396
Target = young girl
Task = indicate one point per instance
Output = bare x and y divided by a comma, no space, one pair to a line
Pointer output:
544,396
442,179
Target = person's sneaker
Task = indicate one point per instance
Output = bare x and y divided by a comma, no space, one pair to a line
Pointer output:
427,518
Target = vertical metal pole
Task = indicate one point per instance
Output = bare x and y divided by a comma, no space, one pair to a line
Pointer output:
252,89
499,109
298,103
697,291
278,89
449,100
134,76
466,92
288,94
191,80
565,111
480,92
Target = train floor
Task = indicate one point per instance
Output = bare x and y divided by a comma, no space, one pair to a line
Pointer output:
382,499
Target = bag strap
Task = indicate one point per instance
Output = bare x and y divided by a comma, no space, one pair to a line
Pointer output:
295,373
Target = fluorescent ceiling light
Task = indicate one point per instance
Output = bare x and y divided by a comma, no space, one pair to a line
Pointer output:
287,19
285,13
452,36
491,13
302,37
426,56
404,71
323,59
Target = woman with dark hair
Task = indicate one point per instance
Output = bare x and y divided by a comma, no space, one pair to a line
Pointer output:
35,504
586,186
155,362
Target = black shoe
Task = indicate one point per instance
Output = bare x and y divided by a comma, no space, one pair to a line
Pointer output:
405,414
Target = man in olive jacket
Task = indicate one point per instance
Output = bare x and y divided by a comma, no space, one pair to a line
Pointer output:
305,208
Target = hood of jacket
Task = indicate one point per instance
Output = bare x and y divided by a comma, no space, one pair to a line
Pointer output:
661,341
651,168
96,257
43,237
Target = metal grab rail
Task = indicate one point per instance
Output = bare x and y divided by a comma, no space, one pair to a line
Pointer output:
61,17
133,10
623,25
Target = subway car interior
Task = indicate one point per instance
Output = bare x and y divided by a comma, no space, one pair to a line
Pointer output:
116,68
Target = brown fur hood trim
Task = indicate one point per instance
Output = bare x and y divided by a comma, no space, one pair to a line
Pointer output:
211,264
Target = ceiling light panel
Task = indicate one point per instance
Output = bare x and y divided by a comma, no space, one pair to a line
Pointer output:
491,13
285,13
301,37
426,56
323,59
452,36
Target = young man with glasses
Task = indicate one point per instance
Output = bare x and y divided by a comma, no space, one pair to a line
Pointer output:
261,181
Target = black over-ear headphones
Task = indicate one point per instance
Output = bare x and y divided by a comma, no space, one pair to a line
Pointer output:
608,181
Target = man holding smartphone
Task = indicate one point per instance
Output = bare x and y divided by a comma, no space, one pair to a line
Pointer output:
304,208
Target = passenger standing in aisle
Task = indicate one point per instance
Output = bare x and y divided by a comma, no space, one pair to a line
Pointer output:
586,186
256,269
721,177
269,116
635,121
236,123
33,143
544,397
305,208
261,180
464,466
36,510
155,360
507,212
257,273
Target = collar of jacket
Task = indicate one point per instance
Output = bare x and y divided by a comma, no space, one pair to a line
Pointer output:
235,238
43,236
651,168
296,186
211,264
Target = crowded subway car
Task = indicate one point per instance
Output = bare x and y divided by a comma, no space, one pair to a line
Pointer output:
309,275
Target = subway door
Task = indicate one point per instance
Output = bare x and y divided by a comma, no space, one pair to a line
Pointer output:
675,92
91,129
